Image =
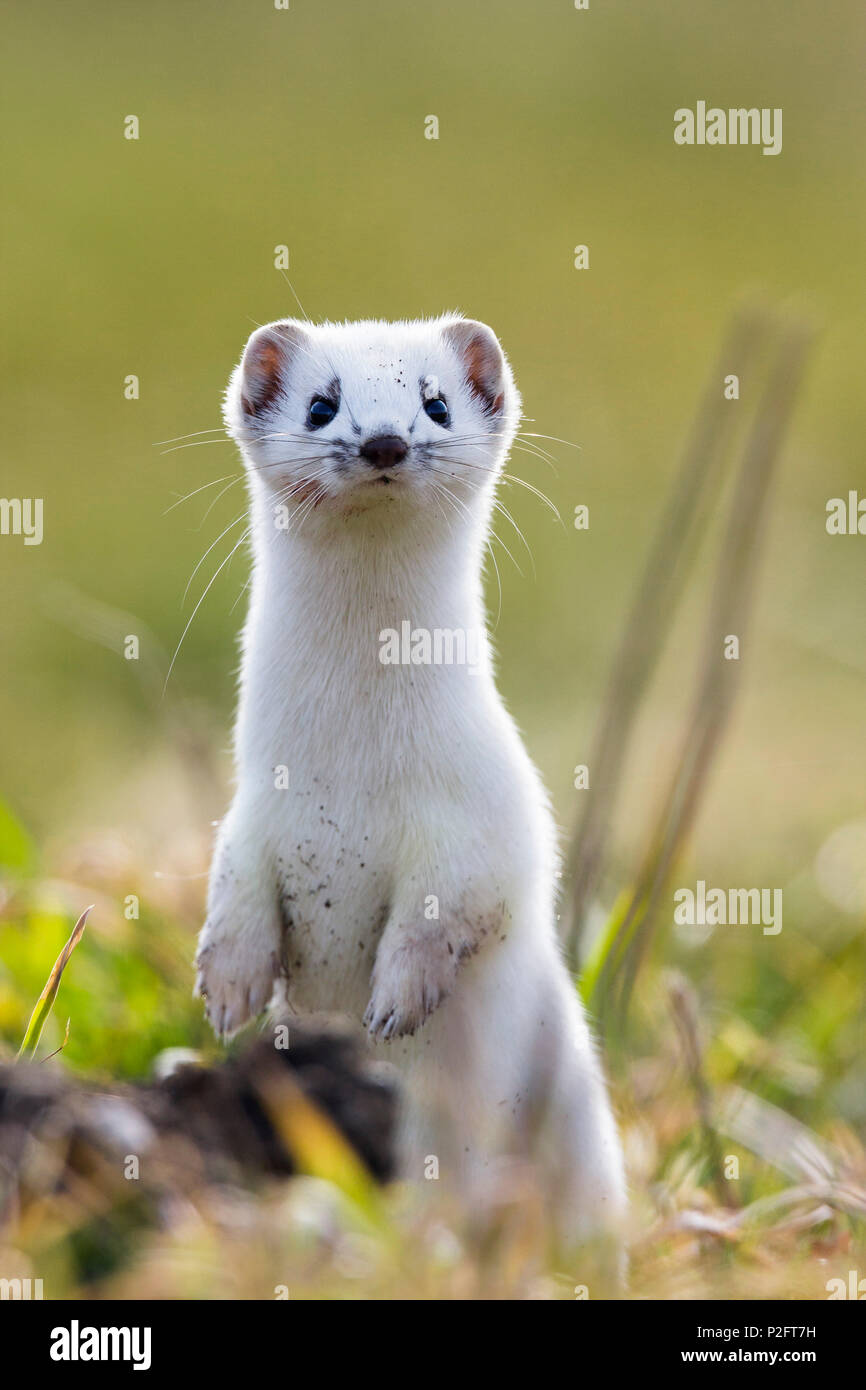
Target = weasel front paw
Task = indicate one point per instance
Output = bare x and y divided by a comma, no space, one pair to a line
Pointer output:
410,980
235,974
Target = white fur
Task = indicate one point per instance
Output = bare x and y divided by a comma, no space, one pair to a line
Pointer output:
406,783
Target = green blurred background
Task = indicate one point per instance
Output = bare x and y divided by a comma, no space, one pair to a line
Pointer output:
306,127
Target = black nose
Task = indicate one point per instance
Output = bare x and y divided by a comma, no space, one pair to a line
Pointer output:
384,451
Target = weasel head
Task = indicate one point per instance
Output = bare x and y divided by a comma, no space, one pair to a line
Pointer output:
357,416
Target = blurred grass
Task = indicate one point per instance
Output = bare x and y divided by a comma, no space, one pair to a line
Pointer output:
262,127
735,1016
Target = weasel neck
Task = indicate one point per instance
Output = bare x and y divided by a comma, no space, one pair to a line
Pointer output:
365,572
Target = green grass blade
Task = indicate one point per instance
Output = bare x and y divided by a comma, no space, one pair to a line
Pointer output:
45,1002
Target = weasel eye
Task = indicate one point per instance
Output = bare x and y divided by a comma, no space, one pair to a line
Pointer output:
438,411
321,413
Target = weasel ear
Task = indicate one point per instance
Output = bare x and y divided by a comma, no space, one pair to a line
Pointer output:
266,359
483,361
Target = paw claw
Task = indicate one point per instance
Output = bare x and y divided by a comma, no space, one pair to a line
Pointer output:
410,980
235,977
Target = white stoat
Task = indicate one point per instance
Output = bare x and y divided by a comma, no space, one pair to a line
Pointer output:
390,853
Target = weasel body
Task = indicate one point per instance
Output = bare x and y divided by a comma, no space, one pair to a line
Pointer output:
390,853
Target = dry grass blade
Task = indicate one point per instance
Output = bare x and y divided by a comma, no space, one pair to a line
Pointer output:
612,977
776,1137
820,1171
662,582
684,1006
315,1142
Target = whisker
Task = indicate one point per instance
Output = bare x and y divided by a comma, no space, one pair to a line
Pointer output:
522,440
281,496
241,517
214,429
212,581
498,585
533,452
197,490
500,507
237,520
497,537
517,443
295,294
437,490
534,434
196,444
222,492
521,482
511,478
